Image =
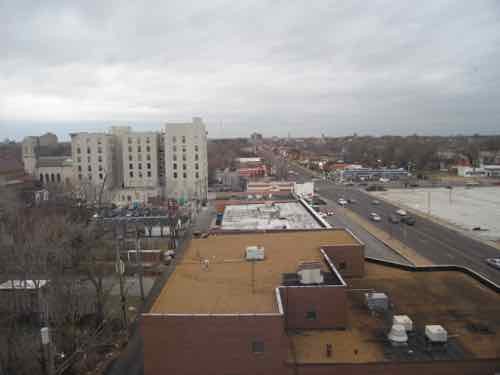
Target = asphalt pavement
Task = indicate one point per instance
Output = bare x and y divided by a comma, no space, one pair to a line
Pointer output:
438,243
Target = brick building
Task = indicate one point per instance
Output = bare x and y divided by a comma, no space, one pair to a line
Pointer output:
301,310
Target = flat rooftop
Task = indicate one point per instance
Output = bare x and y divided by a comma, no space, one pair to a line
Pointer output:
277,215
226,286
469,311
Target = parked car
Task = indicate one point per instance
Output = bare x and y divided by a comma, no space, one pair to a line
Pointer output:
375,202
401,212
394,219
409,220
493,262
342,201
375,217
352,201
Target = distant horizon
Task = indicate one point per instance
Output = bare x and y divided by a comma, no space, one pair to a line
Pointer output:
274,67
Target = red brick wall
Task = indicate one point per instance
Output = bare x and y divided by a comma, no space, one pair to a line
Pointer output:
351,255
470,367
213,345
328,302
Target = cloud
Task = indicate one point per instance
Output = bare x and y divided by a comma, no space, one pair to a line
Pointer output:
275,66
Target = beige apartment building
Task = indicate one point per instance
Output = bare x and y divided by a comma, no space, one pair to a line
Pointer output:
126,166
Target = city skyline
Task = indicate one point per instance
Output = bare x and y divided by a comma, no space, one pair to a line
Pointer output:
378,68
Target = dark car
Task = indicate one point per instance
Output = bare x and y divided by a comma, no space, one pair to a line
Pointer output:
394,219
408,220
352,201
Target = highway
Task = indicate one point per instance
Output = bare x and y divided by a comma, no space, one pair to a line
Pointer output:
439,244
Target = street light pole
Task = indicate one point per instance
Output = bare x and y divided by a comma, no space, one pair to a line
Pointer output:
120,268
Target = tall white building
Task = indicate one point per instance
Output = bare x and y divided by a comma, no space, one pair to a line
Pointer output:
185,154
130,167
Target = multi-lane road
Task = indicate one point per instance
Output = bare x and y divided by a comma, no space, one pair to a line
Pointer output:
438,243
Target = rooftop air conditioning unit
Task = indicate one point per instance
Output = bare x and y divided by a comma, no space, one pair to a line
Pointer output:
403,320
310,273
436,333
254,253
397,335
377,301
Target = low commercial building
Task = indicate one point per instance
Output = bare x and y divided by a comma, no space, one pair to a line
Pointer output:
307,302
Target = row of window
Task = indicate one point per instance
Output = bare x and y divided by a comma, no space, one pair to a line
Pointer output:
184,166
184,175
174,148
53,177
89,159
139,166
101,176
139,157
184,157
138,140
140,175
139,149
89,151
89,168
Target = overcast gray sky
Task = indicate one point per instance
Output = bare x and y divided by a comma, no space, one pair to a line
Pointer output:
304,67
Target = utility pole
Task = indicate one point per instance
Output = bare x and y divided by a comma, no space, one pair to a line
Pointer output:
120,269
48,357
139,262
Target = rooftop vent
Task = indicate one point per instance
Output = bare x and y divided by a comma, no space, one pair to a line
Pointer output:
254,253
377,301
310,273
403,320
436,333
397,335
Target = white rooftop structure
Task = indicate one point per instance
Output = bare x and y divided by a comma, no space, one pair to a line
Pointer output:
262,216
22,284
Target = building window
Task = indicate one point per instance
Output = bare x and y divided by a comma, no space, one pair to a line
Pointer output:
311,315
90,177
131,166
100,167
184,157
78,150
89,168
197,175
98,141
138,148
88,150
130,158
79,168
131,174
257,347
139,157
80,176
99,150
174,139
148,157
139,166
101,176
184,167
183,148
196,166
140,174
175,165
129,148
196,148
41,177
149,173
99,159
147,140
175,157
47,177
175,174
196,157
183,139
184,175
174,148
149,165
148,149
89,159
79,159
